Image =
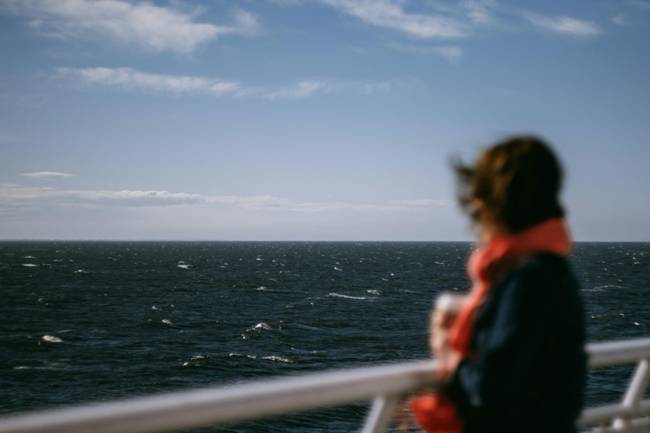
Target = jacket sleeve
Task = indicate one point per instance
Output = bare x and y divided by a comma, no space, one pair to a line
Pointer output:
521,342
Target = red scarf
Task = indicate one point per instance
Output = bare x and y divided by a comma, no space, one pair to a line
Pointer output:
486,265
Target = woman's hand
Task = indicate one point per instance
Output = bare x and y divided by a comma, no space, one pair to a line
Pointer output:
403,419
447,357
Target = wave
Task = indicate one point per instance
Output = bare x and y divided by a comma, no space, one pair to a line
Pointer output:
30,265
308,327
602,288
51,339
340,295
262,326
374,292
274,358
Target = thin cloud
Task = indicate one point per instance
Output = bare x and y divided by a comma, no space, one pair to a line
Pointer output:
563,25
641,4
127,78
479,11
392,15
451,53
13,196
131,79
147,25
46,174
619,20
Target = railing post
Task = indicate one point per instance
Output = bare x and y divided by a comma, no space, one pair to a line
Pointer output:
635,391
381,414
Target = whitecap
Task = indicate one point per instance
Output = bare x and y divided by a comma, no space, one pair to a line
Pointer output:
609,286
29,257
307,352
259,259
261,288
277,359
307,327
81,271
241,355
30,265
374,291
198,357
336,268
637,324
183,265
153,307
339,295
262,326
51,339
167,322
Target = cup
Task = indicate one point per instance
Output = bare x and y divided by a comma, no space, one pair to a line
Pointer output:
445,311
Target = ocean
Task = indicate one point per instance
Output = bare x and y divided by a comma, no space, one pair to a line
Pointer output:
91,321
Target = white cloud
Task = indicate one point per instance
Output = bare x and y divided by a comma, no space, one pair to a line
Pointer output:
619,20
46,174
479,11
144,24
246,23
131,79
391,14
128,78
563,24
302,89
13,196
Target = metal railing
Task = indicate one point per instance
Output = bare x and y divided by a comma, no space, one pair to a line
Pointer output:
384,385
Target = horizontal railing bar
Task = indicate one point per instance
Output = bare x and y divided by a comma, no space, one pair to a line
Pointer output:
203,407
641,425
598,415
605,354
220,404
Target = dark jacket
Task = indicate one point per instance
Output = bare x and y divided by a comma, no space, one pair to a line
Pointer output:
527,368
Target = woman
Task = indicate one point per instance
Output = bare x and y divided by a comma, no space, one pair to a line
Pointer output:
514,353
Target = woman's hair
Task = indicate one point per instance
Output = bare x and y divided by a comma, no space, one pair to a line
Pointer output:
514,184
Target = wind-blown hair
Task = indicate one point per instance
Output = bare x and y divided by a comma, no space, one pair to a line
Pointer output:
514,184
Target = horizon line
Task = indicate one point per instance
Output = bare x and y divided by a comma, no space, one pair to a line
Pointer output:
278,241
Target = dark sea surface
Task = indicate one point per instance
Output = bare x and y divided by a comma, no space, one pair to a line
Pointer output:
89,321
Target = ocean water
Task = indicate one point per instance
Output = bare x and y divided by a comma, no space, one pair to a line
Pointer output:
90,321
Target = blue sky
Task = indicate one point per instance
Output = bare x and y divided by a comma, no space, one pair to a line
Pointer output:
311,119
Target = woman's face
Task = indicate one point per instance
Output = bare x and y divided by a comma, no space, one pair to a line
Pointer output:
486,226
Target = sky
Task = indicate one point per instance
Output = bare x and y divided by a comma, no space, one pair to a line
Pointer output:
311,119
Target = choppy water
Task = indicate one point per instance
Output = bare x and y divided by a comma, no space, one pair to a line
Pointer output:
87,321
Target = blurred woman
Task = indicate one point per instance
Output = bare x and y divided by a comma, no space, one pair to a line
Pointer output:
513,353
